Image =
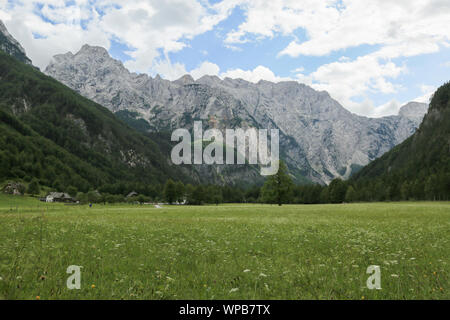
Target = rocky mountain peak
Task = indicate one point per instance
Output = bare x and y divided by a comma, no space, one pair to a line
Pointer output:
209,80
93,50
186,79
415,111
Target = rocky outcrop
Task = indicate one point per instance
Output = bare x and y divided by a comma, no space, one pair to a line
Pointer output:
414,111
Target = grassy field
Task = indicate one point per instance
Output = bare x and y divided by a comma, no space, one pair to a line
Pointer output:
224,252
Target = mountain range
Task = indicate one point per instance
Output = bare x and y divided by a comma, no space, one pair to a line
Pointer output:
50,133
319,139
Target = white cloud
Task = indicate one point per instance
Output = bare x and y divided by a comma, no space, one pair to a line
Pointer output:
298,70
419,26
427,92
348,79
174,71
401,28
22,21
425,88
267,18
390,108
168,70
206,68
151,28
258,73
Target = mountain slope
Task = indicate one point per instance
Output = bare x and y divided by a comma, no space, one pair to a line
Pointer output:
52,133
10,45
320,140
421,164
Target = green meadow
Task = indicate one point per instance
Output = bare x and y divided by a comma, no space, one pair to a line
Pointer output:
225,251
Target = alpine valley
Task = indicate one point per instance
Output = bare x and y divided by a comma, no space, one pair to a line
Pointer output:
319,139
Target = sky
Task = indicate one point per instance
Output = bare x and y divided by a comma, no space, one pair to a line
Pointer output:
372,56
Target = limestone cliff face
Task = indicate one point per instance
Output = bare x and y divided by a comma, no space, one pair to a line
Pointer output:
319,139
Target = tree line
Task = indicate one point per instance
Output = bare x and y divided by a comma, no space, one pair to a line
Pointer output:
278,189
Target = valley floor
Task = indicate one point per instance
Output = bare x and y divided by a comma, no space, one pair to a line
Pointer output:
225,251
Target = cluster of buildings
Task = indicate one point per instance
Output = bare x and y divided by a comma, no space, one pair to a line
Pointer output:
59,197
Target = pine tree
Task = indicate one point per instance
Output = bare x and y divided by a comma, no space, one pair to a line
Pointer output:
170,192
350,195
337,191
198,195
278,187
180,191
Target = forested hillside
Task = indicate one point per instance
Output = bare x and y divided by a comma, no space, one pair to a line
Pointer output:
420,166
49,132
417,169
54,136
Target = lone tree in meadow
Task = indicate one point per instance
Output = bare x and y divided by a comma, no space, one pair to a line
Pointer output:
180,191
278,187
337,191
170,191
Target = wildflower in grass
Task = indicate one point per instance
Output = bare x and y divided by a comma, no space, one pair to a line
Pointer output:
394,275
362,298
262,275
38,298
234,290
247,270
93,286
